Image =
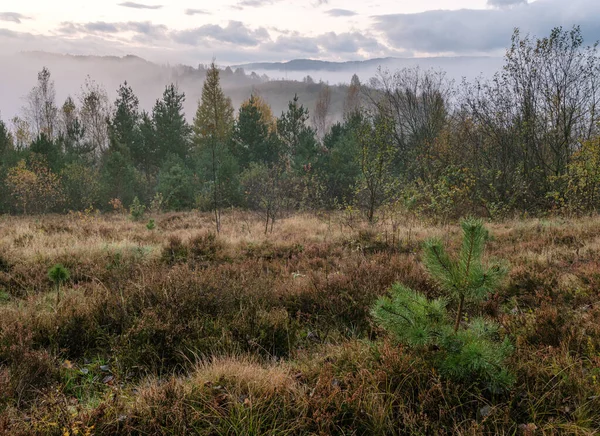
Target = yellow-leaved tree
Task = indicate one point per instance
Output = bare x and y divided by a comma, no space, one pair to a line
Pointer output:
34,187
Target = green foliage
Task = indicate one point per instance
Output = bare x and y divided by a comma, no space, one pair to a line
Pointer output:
81,184
6,141
338,168
299,145
264,190
467,352
58,275
578,190
118,177
213,125
137,209
151,225
376,156
464,277
123,125
414,320
172,131
49,149
177,184
253,141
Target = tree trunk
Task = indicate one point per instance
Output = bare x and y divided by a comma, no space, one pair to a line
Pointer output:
459,313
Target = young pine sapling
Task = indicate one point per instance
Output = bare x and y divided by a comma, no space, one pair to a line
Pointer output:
466,351
58,275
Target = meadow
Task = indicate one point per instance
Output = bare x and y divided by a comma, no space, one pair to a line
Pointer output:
168,328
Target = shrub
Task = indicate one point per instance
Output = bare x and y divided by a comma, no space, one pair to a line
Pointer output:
175,251
58,275
204,247
137,209
151,225
468,351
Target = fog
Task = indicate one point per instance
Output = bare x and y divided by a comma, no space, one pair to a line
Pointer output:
19,74
455,68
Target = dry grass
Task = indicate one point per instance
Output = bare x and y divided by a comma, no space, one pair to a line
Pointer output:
174,331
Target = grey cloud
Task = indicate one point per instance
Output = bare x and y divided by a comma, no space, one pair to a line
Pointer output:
340,13
347,42
139,5
14,17
505,3
469,31
143,29
294,43
9,33
196,12
102,27
252,4
234,33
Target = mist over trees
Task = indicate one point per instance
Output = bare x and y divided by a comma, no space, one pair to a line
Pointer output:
525,140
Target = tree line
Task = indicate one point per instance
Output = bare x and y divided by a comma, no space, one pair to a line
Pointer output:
524,141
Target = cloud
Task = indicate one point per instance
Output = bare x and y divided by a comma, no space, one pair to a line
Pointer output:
101,27
144,31
139,5
196,12
252,4
234,33
293,45
505,3
14,17
340,13
469,31
345,43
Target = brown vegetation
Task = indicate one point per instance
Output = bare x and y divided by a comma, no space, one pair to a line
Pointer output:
178,331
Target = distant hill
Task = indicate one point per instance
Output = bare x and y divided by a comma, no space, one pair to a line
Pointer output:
341,72
148,79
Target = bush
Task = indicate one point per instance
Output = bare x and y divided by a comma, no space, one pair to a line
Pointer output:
137,209
467,351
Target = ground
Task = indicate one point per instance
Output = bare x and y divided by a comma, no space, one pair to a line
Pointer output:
175,330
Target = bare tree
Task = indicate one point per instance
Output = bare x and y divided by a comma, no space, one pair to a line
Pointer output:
419,103
94,113
21,131
352,101
321,119
40,110
531,118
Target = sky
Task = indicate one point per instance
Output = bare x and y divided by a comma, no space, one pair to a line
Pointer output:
241,31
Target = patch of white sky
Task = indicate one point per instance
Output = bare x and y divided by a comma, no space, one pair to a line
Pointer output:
306,17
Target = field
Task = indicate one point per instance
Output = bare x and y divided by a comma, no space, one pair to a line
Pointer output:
174,330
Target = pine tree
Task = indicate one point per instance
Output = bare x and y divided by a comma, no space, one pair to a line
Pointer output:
123,126
467,351
253,137
213,125
298,139
172,130
6,142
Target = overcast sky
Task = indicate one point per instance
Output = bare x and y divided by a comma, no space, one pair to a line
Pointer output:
238,31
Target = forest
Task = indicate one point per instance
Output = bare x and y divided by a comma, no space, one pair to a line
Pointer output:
428,264
523,142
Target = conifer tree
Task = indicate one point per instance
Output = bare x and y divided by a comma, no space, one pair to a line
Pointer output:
467,350
6,142
172,130
253,137
213,125
298,139
124,122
